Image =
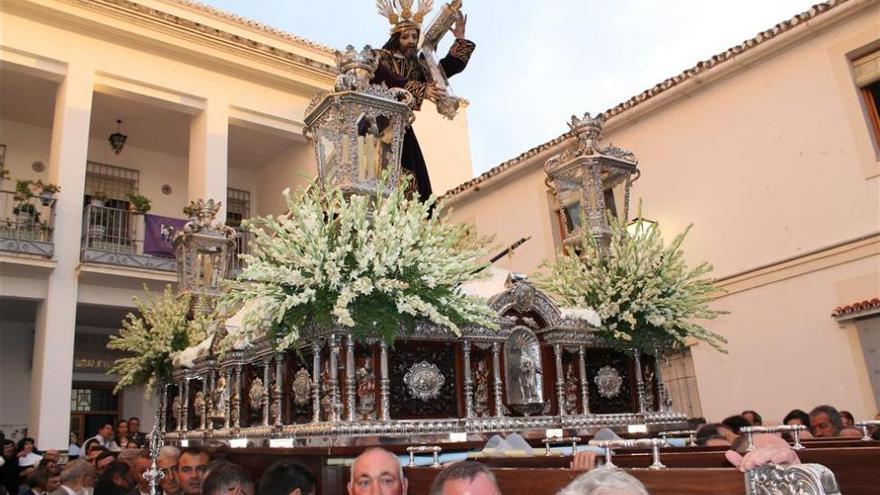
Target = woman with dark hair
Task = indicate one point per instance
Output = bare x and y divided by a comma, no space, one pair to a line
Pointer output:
9,467
797,417
752,417
847,418
115,480
401,66
122,434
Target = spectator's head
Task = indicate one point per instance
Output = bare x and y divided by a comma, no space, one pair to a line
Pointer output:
847,419
735,423
604,481
228,478
287,477
753,417
134,424
93,450
39,479
74,439
8,448
377,471
797,417
167,462
104,459
850,431
122,428
77,475
191,467
465,478
825,421
714,435
140,465
26,444
54,480
117,475
106,431
52,456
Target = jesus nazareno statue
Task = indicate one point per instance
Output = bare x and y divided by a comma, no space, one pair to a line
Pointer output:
402,66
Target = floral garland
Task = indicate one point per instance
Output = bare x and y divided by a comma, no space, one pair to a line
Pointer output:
642,289
153,337
372,264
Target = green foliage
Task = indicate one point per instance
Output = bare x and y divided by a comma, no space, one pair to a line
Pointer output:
642,289
372,264
140,203
153,336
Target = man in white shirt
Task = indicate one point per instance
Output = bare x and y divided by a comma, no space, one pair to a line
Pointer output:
77,478
104,438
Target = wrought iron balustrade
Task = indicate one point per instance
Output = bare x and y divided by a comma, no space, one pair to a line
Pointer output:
242,246
26,226
116,237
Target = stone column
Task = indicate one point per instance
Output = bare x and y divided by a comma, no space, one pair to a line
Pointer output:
55,326
316,382
349,378
205,391
384,383
560,379
468,380
208,141
496,380
585,385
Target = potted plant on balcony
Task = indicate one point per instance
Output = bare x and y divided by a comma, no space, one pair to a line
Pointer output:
46,192
25,212
139,204
98,198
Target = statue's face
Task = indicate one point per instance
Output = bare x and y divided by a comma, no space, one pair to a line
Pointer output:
409,40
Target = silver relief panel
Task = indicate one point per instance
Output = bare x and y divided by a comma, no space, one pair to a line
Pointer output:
522,364
608,382
424,380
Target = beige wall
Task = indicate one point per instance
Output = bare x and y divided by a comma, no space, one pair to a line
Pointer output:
771,162
445,145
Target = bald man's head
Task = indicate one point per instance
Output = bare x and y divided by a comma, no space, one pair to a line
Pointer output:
377,472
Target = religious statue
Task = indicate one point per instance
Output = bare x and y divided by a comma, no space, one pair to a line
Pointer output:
402,66
220,398
526,379
176,411
481,393
326,400
275,401
255,394
571,390
199,405
366,390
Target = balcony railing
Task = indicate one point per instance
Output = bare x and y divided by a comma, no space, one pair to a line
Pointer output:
115,236
242,245
26,226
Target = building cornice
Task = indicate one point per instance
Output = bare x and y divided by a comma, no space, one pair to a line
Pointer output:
192,40
740,57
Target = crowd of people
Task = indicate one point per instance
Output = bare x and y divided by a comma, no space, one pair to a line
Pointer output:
114,462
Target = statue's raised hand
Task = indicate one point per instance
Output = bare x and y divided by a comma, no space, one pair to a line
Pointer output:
459,27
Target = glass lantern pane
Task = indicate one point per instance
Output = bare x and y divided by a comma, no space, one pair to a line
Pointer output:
573,214
374,140
327,154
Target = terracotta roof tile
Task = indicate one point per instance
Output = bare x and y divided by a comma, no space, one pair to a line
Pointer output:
660,87
856,307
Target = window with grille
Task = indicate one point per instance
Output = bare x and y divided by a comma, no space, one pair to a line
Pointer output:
115,182
680,381
867,77
93,400
238,207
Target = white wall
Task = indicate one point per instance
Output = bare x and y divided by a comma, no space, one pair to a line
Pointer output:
16,346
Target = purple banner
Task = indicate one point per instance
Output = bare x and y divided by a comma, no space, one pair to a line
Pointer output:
158,233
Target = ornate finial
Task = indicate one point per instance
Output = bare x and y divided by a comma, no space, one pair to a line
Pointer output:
203,218
154,474
355,68
587,123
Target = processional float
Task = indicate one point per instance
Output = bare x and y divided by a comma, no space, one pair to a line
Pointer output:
544,367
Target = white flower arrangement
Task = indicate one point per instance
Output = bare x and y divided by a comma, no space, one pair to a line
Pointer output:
372,264
153,337
642,289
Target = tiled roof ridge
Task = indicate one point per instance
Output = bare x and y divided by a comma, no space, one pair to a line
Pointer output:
856,307
251,23
658,88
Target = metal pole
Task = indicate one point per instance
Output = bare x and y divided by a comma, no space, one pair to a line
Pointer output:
585,386
468,380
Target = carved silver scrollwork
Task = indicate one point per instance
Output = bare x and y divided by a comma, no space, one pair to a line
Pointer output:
424,380
302,387
608,382
801,479
255,394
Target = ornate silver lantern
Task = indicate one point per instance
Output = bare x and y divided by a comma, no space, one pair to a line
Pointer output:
584,179
358,128
204,250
